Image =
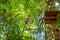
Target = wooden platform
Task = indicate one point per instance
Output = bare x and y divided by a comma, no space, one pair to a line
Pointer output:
50,16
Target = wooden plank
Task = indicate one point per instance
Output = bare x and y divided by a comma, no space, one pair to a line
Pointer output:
50,16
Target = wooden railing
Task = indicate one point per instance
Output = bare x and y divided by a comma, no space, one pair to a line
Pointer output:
50,16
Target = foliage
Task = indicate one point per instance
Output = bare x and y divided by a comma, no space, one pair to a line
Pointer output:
12,18
13,14
58,21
